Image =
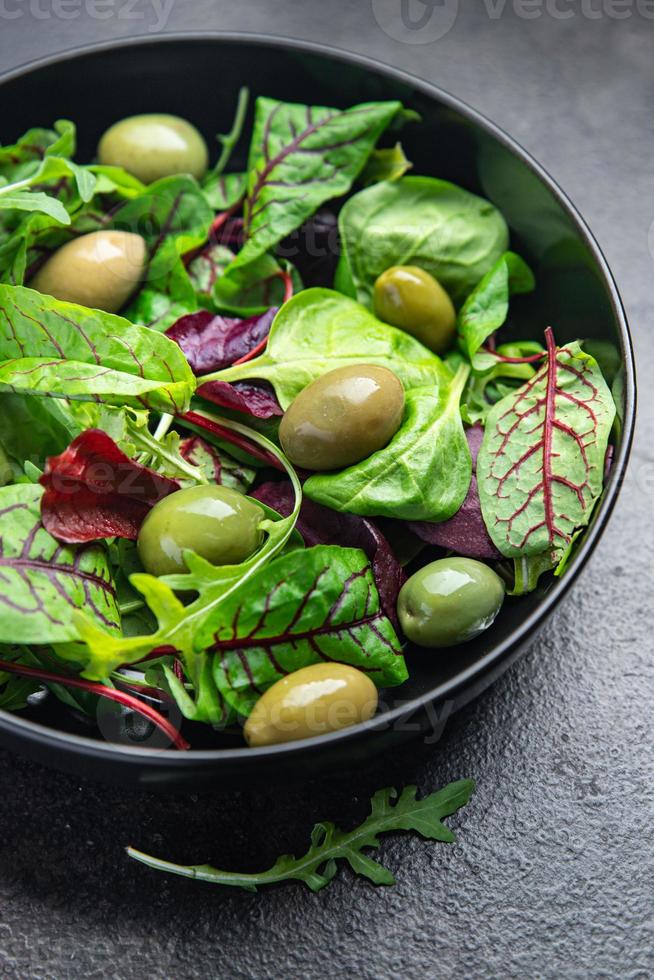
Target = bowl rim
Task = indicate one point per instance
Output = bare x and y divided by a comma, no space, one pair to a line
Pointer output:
51,738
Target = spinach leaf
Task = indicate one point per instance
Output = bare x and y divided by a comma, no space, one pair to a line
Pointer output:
300,156
450,233
487,306
320,329
423,474
45,583
329,844
58,349
386,164
307,606
540,466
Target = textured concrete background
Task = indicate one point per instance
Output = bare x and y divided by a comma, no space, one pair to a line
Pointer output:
553,874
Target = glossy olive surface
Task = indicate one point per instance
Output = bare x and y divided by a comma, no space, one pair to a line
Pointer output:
342,417
449,601
217,523
100,270
155,145
321,698
410,298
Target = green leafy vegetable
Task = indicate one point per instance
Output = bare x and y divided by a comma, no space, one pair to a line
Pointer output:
448,232
387,164
225,191
541,464
22,158
487,306
423,474
229,140
252,289
319,330
42,582
52,348
166,296
329,844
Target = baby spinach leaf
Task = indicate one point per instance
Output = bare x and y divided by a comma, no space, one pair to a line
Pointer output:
386,164
320,329
58,349
447,231
540,468
42,583
487,306
329,844
423,474
300,156
302,608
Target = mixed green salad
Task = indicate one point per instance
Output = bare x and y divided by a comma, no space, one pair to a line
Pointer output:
266,433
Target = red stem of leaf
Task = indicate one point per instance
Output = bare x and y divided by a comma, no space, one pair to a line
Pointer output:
550,405
202,422
128,700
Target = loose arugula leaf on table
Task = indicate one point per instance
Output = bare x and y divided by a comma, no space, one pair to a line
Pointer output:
58,349
329,844
386,164
300,156
319,330
302,608
540,468
450,233
424,472
487,306
43,584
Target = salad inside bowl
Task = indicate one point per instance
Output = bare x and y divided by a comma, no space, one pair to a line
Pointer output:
282,425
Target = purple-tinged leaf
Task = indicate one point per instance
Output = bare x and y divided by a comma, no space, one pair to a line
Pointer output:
255,398
465,533
216,465
321,525
211,342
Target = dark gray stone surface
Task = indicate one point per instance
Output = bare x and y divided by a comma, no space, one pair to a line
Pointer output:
553,874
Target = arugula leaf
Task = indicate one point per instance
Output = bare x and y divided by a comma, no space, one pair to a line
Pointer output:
424,472
320,329
58,349
23,200
329,844
541,465
25,155
302,608
450,233
487,306
44,583
386,164
300,156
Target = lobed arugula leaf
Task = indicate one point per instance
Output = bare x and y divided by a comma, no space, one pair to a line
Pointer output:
42,583
540,468
447,231
329,844
319,330
58,349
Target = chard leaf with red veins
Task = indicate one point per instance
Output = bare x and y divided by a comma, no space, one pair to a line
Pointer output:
256,398
465,533
321,525
540,468
44,583
218,467
93,491
301,156
319,604
211,342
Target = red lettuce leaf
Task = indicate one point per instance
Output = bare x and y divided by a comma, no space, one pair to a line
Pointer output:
211,342
321,525
93,490
466,532
252,397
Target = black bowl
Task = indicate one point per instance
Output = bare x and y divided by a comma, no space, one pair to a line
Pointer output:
199,77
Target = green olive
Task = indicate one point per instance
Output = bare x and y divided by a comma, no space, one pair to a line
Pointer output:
217,523
153,146
607,356
410,298
312,701
100,270
342,417
449,601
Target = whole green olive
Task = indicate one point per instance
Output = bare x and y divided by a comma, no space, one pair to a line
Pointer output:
100,270
410,298
216,522
449,601
155,145
342,417
321,698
